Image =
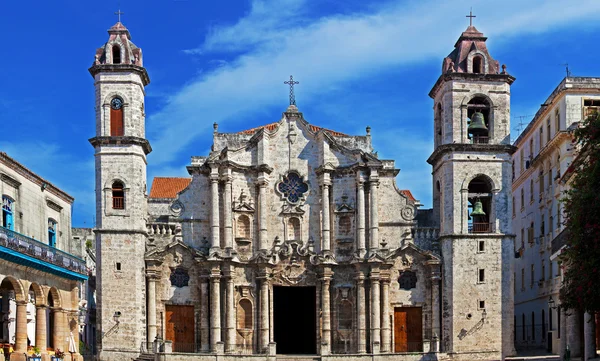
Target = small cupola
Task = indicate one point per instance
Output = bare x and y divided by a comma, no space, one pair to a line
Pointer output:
470,55
119,49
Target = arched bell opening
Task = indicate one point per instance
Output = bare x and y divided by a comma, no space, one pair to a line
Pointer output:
479,112
480,205
477,64
438,124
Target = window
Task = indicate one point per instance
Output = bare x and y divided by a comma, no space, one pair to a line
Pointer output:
481,305
543,226
533,325
116,117
523,238
530,149
522,158
477,65
532,276
522,279
522,198
557,119
480,205
543,270
52,232
481,275
345,226
548,132
118,266
481,246
541,137
590,107
541,178
531,190
549,178
244,315
7,213
550,225
118,195
514,207
558,220
294,229
558,321
530,234
116,54
524,328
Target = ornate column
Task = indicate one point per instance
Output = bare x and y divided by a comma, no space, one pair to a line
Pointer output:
374,229
264,311
326,312
215,240
375,311
204,314
325,219
386,335
360,224
230,312
152,279
215,308
262,212
21,327
227,220
40,327
360,311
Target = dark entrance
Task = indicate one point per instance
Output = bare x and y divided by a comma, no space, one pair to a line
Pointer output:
294,316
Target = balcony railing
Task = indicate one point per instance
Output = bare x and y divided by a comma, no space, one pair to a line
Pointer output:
480,140
118,202
31,247
480,227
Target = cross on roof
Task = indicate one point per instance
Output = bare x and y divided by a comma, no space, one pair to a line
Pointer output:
471,16
291,83
119,13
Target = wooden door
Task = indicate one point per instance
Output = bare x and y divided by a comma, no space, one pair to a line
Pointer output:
179,327
408,329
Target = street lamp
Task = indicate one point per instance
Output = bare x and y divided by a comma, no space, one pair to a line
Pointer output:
116,317
551,303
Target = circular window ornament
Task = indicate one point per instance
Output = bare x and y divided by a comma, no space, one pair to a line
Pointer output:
292,187
116,103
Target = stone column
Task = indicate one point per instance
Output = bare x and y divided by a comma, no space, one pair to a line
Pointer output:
230,311
264,313
204,315
375,312
573,334
215,240
57,328
40,327
21,327
326,312
227,220
215,308
563,333
360,310
360,224
262,213
151,307
374,235
435,305
386,336
325,218
589,337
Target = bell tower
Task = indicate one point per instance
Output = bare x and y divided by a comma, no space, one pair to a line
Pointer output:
472,199
121,203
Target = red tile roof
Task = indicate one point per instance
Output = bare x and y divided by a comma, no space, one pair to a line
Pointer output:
168,187
408,194
272,126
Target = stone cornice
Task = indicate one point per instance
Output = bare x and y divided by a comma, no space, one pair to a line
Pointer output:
456,147
121,68
470,77
97,141
126,231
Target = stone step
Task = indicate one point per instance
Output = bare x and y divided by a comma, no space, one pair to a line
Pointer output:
145,357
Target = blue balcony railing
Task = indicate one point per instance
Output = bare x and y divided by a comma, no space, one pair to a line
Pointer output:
43,252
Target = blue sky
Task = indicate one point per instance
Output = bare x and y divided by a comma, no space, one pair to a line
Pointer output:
359,63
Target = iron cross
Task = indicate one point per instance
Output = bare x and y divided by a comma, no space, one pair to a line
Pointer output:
471,16
291,83
119,13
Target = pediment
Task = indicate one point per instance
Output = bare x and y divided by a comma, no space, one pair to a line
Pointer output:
174,248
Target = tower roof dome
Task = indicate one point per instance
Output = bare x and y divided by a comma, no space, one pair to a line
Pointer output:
119,49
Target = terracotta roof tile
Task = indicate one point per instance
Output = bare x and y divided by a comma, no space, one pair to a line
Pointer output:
408,194
168,187
272,126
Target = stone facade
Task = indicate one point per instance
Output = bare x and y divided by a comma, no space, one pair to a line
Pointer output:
291,208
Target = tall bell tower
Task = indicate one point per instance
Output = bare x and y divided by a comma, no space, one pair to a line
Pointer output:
472,200
121,203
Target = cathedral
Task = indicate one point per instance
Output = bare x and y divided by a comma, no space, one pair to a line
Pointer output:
293,239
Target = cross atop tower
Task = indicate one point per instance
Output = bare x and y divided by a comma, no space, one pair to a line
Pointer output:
291,83
119,13
471,16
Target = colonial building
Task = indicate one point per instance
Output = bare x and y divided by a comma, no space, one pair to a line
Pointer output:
290,238
545,152
39,280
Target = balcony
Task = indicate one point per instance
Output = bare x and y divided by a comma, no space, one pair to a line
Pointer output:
27,251
559,241
478,227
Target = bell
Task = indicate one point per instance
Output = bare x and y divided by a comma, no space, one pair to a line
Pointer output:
477,125
478,209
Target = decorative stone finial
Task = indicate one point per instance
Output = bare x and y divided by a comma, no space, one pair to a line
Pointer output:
503,68
368,130
215,127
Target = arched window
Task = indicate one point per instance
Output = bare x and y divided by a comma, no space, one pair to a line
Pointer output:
479,112
243,227
116,117
7,213
116,53
477,64
118,195
51,232
244,315
480,204
345,226
294,229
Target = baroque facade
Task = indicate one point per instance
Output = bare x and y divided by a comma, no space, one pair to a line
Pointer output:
541,174
290,238
40,281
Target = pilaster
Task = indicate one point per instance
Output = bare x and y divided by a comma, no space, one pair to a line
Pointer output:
360,222
374,227
215,307
215,240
